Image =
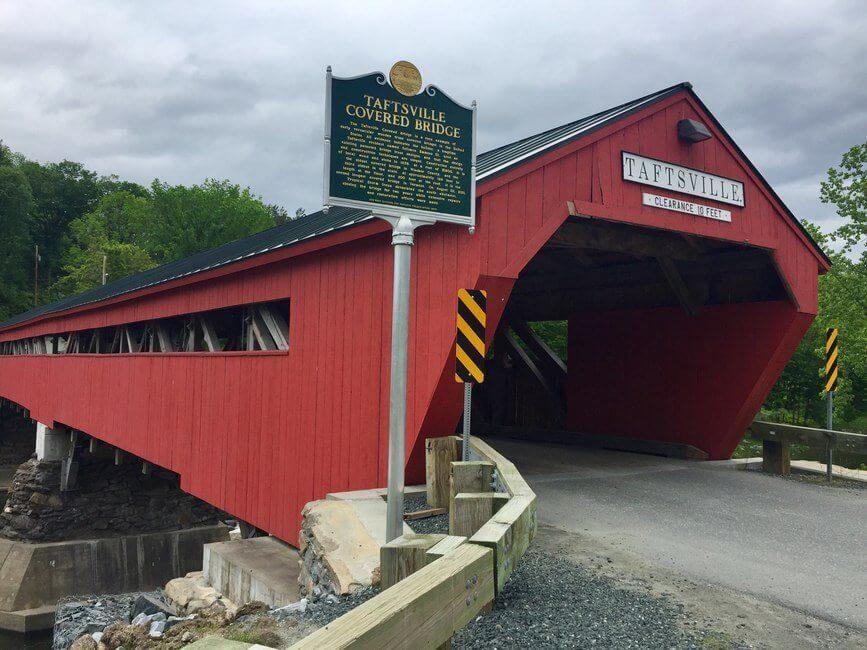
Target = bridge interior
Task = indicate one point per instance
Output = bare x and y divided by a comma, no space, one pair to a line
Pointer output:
592,271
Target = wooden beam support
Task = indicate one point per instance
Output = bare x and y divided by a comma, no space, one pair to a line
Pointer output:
277,327
163,337
537,346
209,334
678,286
632,241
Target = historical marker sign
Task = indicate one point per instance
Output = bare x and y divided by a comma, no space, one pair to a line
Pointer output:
398,150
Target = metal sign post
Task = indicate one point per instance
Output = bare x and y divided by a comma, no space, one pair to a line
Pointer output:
409,156
832,372
470,350
402,237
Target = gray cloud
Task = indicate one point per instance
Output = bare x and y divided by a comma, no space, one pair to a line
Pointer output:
186,91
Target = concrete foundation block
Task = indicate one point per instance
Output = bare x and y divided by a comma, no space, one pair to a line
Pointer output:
34,576
51,444
261,568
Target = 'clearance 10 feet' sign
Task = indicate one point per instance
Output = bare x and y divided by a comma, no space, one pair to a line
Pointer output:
396,149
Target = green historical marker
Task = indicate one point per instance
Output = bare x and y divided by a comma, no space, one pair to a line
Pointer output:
397,149
409,156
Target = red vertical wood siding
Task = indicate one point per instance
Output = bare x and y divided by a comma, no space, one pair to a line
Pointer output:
260,434
662,375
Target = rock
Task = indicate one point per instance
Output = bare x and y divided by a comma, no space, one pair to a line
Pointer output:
171,621
300,607
97,636
146,604
141,619
85,642
339,556
157,629
191,594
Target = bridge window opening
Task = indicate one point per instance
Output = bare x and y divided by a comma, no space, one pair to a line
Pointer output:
590,267
246,328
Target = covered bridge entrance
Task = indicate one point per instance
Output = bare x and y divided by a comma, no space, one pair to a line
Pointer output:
258,371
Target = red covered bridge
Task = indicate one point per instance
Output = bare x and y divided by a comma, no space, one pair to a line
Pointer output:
258,371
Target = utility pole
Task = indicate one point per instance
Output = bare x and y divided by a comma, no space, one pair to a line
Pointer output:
36,277
104,261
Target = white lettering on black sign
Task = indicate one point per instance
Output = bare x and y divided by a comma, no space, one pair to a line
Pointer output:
668,203
648,171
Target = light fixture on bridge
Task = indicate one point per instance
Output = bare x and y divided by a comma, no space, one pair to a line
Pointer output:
692,131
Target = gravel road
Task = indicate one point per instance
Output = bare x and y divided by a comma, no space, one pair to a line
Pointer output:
554,602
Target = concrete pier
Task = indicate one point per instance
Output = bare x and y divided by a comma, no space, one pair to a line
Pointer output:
51,444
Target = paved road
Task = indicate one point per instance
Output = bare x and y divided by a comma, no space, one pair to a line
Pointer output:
800,545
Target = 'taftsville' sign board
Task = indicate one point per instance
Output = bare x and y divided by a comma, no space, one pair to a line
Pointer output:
676,178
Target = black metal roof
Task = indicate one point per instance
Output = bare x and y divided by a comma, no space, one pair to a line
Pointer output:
498,160
319,223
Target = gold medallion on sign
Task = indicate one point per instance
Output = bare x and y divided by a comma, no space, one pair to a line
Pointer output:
405,78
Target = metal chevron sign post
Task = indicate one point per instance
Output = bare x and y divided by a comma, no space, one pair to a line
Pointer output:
832,373
408,154
470,350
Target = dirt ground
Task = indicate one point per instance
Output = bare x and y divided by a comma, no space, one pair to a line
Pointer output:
740,617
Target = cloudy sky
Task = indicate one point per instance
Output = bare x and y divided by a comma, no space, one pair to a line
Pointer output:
183,90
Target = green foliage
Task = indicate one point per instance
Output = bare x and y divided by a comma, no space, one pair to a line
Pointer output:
842,304
846,188
187,220
113,232
553,332
16,204
77,218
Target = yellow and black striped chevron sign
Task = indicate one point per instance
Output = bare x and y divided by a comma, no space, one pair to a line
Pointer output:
831,352
470,345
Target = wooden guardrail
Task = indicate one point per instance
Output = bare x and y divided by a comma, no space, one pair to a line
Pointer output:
433,585
776,438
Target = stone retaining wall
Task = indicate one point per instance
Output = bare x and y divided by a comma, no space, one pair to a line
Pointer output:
109,500
17,439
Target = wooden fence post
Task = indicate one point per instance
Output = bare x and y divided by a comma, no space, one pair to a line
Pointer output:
776,458
404,556
439,455
471,510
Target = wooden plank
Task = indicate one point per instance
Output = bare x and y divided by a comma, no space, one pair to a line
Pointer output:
508,534
424,514
404,556
853,442
506,470
444,547
440,453
470,511
423,610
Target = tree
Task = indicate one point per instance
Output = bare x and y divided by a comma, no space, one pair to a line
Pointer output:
114,231
16,203
187,220
278,214
846,188
61,192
